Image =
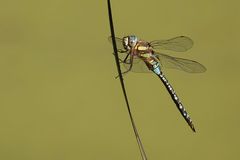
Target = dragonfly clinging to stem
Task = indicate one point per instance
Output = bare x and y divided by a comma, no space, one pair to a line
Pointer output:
142,56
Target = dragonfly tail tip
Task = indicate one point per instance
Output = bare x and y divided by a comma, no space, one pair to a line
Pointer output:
193,128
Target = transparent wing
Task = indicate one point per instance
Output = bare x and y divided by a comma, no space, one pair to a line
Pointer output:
179,44
186,65
139,66
118,42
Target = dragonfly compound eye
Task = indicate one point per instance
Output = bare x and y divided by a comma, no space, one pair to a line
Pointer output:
132,40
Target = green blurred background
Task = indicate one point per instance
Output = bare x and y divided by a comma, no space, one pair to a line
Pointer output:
59,99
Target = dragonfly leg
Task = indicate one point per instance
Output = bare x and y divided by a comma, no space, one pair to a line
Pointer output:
123,73
131,64
125,60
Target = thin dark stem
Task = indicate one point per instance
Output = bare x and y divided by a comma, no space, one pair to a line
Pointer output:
141,148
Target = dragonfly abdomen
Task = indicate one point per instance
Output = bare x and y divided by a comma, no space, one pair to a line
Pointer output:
156,68
151,62
176,100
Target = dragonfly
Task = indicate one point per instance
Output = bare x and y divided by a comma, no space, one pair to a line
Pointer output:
142,56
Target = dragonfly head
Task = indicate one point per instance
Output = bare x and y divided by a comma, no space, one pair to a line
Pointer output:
129,41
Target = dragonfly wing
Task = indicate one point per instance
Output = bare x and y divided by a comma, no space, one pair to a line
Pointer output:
139,66
179,44
119,43
186,65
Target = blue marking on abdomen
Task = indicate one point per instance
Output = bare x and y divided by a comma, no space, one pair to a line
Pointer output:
157,69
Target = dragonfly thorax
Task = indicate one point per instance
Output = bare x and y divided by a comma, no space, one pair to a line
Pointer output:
129,41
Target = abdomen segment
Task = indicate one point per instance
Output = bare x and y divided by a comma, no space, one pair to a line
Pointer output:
177,101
